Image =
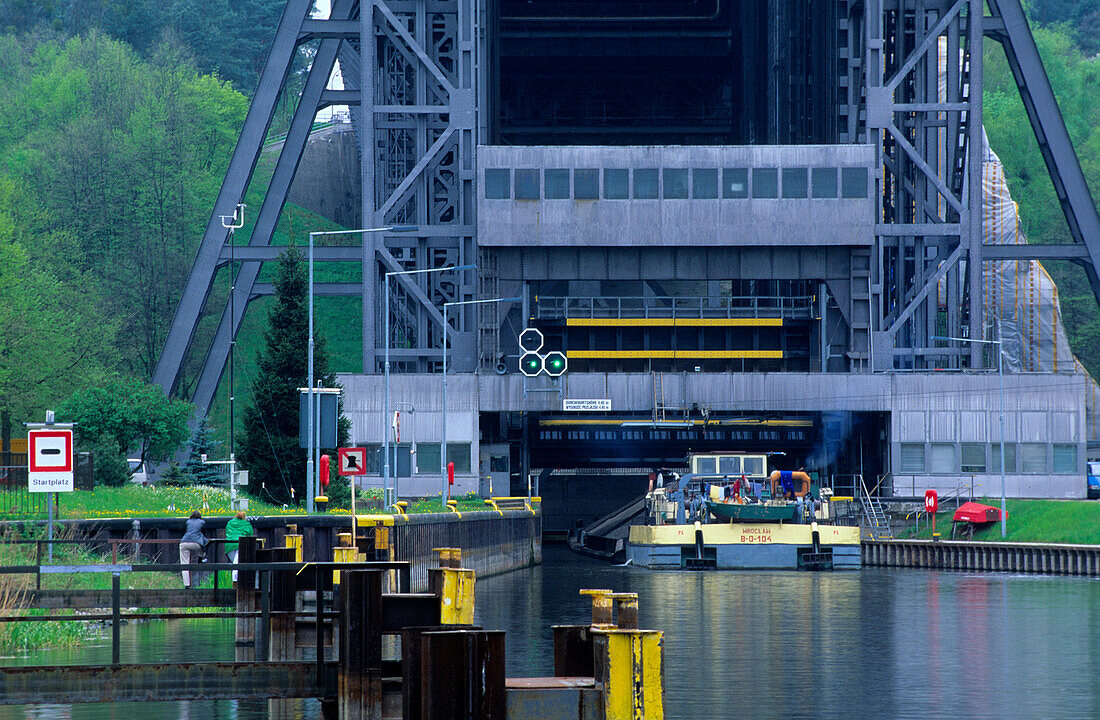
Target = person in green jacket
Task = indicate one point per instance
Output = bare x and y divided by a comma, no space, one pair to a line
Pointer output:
235,529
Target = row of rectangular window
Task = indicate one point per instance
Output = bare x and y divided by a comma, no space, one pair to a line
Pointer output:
428,459
1025,458
673,183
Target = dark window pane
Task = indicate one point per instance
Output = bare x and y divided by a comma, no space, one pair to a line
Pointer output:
765,182
645,184
794,182
676,183
527,184
459,454
704,183
853,182
735,183
823,182
498,184
427,458
616,184
557,184
586,184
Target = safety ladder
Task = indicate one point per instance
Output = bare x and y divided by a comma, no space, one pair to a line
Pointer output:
877,524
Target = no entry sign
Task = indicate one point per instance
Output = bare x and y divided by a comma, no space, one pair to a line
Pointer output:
50,460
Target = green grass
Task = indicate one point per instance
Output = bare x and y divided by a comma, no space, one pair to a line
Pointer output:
1043,521
163,501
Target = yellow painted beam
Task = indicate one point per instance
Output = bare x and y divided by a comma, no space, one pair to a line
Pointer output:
674,354
674,322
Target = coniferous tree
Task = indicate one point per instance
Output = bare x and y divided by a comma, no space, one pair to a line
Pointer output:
269,450
196,472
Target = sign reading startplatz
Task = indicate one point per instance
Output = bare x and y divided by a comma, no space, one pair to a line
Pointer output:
50,460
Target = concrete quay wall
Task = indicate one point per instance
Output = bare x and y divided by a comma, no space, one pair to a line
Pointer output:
1042,558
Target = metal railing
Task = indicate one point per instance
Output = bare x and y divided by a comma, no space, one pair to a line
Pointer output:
16,503
746,306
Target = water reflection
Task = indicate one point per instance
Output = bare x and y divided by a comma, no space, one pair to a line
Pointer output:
873,644
877,643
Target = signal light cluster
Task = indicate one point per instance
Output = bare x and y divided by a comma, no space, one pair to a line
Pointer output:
533,362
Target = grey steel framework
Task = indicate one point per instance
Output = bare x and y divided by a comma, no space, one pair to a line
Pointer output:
420,72
426,84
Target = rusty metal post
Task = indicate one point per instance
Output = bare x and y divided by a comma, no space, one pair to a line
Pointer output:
360,665
281,645
116,617
573,651
246,600
626,610
602,614
263,627
462,675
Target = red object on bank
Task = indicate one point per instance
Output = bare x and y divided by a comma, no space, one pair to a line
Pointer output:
451,473
325,462
931,501
977,513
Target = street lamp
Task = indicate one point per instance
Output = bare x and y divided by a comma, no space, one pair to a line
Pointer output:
1001,388
446,329
387,500
314,442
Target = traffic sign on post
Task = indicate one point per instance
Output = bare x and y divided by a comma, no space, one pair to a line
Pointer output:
352,461
531,364
531,340
555,363
50,460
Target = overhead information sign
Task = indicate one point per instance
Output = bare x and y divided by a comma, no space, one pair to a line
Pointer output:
50,460
594,405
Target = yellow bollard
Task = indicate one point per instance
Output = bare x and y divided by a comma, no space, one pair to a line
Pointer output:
455,587
629,668
601,607
344,553
295,541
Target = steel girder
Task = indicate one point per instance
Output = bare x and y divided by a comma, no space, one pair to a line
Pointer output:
923,87
1008,25
237,176
423,124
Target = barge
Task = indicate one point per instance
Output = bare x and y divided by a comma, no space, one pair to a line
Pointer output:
730,513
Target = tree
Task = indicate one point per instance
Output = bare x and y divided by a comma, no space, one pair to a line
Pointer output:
269,450
131,415
197,472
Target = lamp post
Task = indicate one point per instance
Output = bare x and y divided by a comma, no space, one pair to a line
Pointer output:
313,448
446,329
387,499
1001,389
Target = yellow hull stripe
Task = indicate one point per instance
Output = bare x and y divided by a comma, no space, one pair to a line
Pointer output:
674,322
674,354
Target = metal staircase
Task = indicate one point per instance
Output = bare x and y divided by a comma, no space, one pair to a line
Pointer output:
875,521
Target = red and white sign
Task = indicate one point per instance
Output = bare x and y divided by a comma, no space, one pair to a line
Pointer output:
50,460
352,461
931,501
397,426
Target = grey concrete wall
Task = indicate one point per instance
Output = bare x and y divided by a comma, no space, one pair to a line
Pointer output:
674,222
924,408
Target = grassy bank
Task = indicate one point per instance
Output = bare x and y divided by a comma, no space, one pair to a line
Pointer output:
20,637
1042,521
164,501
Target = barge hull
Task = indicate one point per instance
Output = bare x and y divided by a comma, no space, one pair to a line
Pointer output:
748,546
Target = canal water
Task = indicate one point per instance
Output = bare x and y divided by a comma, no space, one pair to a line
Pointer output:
878,643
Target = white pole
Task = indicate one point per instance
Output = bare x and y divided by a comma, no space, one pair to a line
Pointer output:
1001,383
446,327
386,499
309,384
